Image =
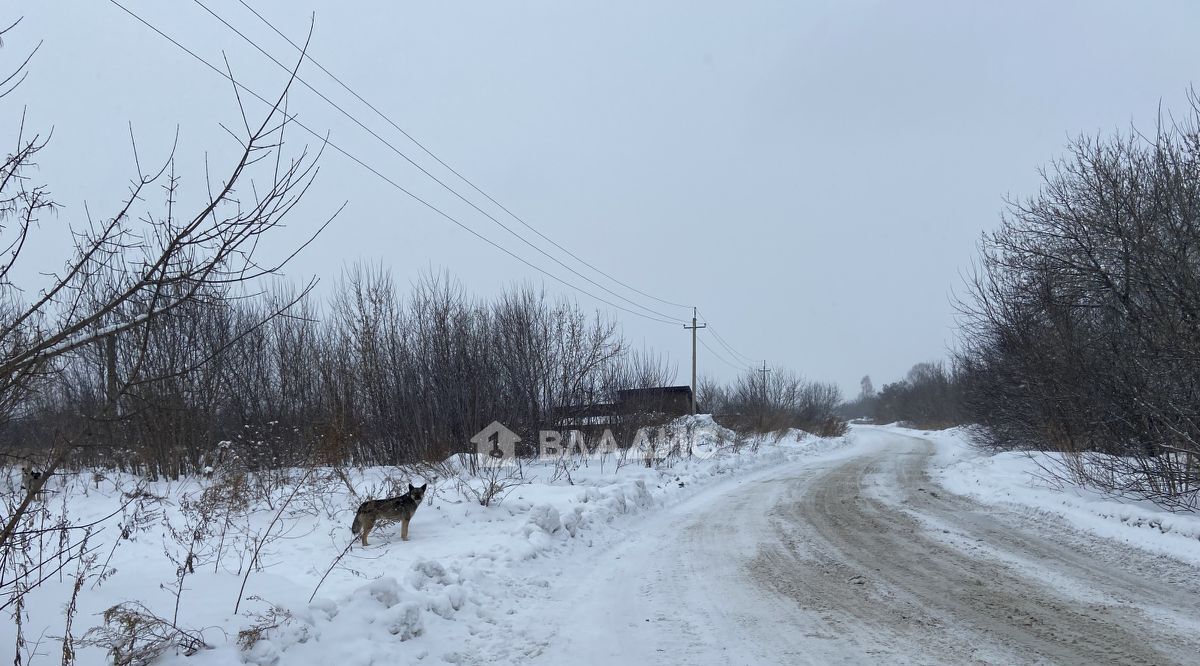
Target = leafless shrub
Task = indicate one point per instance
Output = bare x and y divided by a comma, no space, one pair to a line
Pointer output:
262,624
776,401
259,541
565,464
133,635
84,566
1082,322
487,482
140,511
930,397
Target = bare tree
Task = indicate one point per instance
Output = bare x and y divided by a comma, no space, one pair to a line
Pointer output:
131,284
758,403
1082,326
930,396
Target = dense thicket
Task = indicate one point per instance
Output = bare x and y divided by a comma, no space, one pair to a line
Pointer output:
929,396
372,378
1082,329
776,400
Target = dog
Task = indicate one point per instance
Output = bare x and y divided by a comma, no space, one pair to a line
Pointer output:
399,508
30,479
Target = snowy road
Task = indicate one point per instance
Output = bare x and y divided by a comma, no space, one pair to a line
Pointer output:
863,560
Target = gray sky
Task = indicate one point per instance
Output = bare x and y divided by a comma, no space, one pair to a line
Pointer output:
813,175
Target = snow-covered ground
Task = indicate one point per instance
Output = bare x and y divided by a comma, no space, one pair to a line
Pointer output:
444,596
857,556
1032,482
793,548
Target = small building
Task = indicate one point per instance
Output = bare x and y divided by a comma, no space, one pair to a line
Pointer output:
664,400
634,407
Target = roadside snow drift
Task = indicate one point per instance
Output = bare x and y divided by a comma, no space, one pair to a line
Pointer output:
1028,481
188,552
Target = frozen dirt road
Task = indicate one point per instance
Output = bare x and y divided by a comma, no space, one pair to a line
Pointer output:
861,559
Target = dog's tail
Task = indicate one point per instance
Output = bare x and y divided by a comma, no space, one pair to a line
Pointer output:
356,526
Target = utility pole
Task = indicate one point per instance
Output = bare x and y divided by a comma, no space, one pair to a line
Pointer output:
694,326
762,410
763,371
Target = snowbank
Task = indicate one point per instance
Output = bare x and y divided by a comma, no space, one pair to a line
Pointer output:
444,596
1020,480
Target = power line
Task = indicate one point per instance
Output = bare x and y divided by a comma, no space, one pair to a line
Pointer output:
721,358
325,140
734,352
425,171
447,166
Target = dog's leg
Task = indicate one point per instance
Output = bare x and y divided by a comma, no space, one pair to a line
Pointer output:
368,523
404,530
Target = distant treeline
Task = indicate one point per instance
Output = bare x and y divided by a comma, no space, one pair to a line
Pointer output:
930,396
775,401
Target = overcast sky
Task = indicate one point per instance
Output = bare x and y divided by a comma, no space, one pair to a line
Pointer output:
813,175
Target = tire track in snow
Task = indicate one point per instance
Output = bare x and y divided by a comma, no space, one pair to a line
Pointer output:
852,542
861,559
